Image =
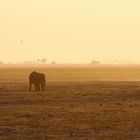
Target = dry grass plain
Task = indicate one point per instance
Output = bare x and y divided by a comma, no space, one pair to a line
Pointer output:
81,103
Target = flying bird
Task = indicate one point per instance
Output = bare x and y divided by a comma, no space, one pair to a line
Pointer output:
21,41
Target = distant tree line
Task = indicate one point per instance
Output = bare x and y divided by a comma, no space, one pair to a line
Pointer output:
94,62
42,61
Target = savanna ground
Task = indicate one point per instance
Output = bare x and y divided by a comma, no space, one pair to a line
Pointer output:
81,103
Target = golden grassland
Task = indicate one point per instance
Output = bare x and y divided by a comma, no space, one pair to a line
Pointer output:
80,103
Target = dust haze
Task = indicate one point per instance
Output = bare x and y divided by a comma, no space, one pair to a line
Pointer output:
78,103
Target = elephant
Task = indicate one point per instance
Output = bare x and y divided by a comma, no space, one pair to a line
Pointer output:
38,79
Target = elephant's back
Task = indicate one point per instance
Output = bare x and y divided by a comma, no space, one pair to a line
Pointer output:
33,76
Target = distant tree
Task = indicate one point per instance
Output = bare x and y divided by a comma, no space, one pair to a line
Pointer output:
27,62
53,62
43,61
1,63
94,62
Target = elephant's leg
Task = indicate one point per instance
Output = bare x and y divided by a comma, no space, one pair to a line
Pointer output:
36,87
30,86
42,86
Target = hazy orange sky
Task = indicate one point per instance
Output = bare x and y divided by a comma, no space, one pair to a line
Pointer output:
70,30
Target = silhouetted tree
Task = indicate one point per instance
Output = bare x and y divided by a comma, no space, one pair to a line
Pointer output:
1,63
43,61
95,62
53,62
